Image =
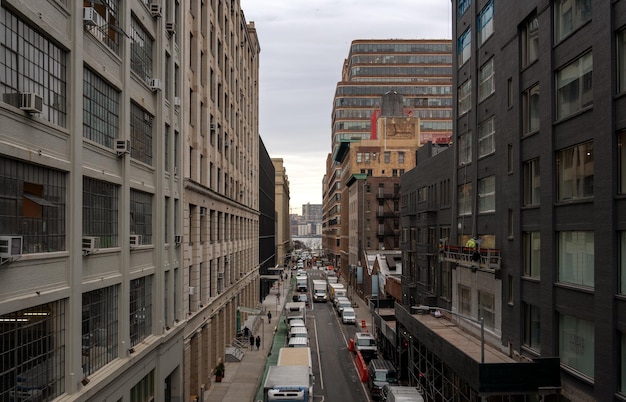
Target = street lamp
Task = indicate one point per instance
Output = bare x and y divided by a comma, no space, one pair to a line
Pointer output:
480,321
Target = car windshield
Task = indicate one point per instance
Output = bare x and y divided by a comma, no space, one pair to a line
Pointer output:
385,376
348,313
366,342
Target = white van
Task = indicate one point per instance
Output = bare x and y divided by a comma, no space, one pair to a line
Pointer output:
298,332
298,342
397,393
348,316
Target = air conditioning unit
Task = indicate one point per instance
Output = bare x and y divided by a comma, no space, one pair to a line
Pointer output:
177,101
155,10
11,246
170,27
213,126
155,84
31,102
202,211
192,290
135,240
175,170
226,259
90,244
220,275
90,16
178,239
122,147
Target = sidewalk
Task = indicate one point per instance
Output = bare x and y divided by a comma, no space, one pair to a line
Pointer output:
242,379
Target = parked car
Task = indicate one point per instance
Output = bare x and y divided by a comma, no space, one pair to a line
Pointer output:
380,373
303,297
348,315
365,343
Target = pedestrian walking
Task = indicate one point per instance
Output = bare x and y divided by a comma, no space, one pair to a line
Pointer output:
258,342
251,341
269,316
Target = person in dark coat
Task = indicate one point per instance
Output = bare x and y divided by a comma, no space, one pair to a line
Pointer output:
269,316
258,342
251,342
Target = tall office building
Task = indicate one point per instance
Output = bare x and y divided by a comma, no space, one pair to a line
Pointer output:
419,73
283,222
129,169
540,93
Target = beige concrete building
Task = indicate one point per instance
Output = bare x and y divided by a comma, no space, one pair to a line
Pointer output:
283,224
129,192
220,233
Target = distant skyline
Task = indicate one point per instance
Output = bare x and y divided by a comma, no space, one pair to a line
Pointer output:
303,47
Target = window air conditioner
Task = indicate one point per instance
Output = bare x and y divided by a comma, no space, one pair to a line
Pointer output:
90,16
202,211
177,101
90,244
213,126
135,240
31,102
155,10
175,170
220,275
192,290
170,27
226,259
10,246
178,239
122,147
154,84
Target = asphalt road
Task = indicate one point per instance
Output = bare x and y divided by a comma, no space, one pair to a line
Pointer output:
336,376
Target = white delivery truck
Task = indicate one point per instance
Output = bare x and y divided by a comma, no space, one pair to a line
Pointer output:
302,283
336,290
287,383
319,291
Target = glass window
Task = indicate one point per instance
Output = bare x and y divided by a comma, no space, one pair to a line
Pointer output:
532,254
530,110
574,86
486,140
485,23
465,301
100,211
486,81
487,309
532,327
104,25
367,157
465,149
622,263
141,215
464,46
575,172
140,309
387,157
101,109
532,183
622,382
463,5
576,255
30,63
569,15
400,157
140,134
465,199
359,157
32,205
465,94
33,353
621,61
487,194
144,391
99,328
140,51
530,41
577,344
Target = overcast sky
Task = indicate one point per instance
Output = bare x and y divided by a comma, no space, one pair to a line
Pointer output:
303,47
